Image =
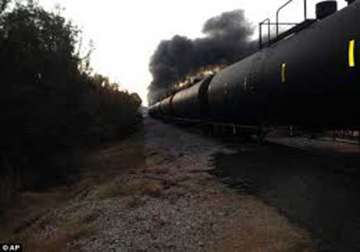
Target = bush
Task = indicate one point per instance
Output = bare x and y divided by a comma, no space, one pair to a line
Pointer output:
49,102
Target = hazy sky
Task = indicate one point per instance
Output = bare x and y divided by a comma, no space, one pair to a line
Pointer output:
126,32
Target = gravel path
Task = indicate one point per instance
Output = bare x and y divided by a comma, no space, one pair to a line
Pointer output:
167,201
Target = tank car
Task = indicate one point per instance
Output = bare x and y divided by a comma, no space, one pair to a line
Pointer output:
192,102
309,78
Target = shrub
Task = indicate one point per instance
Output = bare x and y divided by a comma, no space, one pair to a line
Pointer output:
50,103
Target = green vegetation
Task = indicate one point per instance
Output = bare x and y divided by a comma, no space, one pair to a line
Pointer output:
50,103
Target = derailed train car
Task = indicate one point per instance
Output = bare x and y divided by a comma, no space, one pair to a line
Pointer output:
310,78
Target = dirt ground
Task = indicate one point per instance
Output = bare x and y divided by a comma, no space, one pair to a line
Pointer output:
156,191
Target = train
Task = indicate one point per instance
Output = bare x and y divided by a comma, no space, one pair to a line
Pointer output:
308,76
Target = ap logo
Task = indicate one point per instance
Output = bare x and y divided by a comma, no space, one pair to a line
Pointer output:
11,247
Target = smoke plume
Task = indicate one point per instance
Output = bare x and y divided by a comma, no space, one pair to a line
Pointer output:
227,40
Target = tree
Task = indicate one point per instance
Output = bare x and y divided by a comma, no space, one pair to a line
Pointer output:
3,5
50,103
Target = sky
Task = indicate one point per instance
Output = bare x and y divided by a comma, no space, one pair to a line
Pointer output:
126,33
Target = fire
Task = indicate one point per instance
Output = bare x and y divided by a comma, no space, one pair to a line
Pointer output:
199,75
194,78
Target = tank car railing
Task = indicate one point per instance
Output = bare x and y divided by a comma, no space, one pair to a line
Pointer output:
267,21
282,7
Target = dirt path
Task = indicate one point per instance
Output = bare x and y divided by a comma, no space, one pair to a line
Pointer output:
153,192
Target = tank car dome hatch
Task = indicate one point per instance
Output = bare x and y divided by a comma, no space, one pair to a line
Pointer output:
325,9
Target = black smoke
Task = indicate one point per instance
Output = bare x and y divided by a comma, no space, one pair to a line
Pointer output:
227,40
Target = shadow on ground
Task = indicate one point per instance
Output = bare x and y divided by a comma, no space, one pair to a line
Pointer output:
318,191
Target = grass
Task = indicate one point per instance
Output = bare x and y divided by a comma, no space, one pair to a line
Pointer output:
72,229
24,220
